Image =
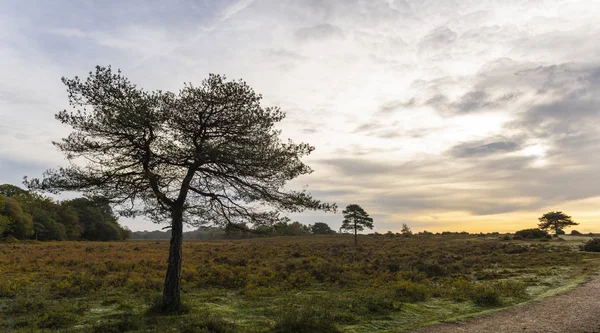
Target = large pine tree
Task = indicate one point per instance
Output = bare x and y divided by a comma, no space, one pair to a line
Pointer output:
209,153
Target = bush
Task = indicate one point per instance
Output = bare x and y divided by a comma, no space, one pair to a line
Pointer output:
373,302
55,319
485,295
592,245
304,319
576,233
531,233
411,291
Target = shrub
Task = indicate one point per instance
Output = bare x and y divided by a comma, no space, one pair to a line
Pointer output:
518,237
56,319
531,233
592,245
304,319
10,239
459,289
412,291
485,295
576,233
25,305
373,302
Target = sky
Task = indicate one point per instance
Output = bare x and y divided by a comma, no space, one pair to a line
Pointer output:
441,114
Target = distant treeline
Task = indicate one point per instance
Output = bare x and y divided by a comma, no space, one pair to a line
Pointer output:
237,231
27,215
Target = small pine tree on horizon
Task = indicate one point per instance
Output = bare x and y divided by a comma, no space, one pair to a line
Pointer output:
556,221
356,218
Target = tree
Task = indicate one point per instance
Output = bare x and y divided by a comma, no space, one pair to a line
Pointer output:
206,154
96,219
320,228
355,218
556,221
405,231
13,220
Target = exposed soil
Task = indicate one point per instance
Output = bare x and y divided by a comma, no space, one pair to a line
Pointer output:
575,311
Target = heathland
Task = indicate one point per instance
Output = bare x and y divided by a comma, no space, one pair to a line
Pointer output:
387,283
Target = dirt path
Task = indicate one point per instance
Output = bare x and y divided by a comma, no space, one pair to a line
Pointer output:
575,311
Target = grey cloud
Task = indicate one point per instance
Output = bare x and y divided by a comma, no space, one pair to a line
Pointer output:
369,126
284,54
356,167
309,130
480,149
318,32
356,150
390,131
437,40
472,101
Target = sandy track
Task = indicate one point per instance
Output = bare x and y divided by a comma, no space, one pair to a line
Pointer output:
575,311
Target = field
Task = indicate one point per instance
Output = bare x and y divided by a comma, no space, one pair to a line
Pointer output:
283,284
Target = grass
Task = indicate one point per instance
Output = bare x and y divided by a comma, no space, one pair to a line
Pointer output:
286,284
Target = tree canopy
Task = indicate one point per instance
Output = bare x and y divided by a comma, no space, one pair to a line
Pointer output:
555,221
357,219
321,228
208,154
26,215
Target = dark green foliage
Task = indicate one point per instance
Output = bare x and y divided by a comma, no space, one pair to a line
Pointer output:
13,220
531,233
97,220
592,245
284,228
576,233
27,215
556,221
320,228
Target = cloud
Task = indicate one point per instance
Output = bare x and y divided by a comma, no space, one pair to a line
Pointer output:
319,32
479,149
444,108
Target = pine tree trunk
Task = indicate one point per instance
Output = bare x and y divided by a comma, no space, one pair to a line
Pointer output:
355,234
171,300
